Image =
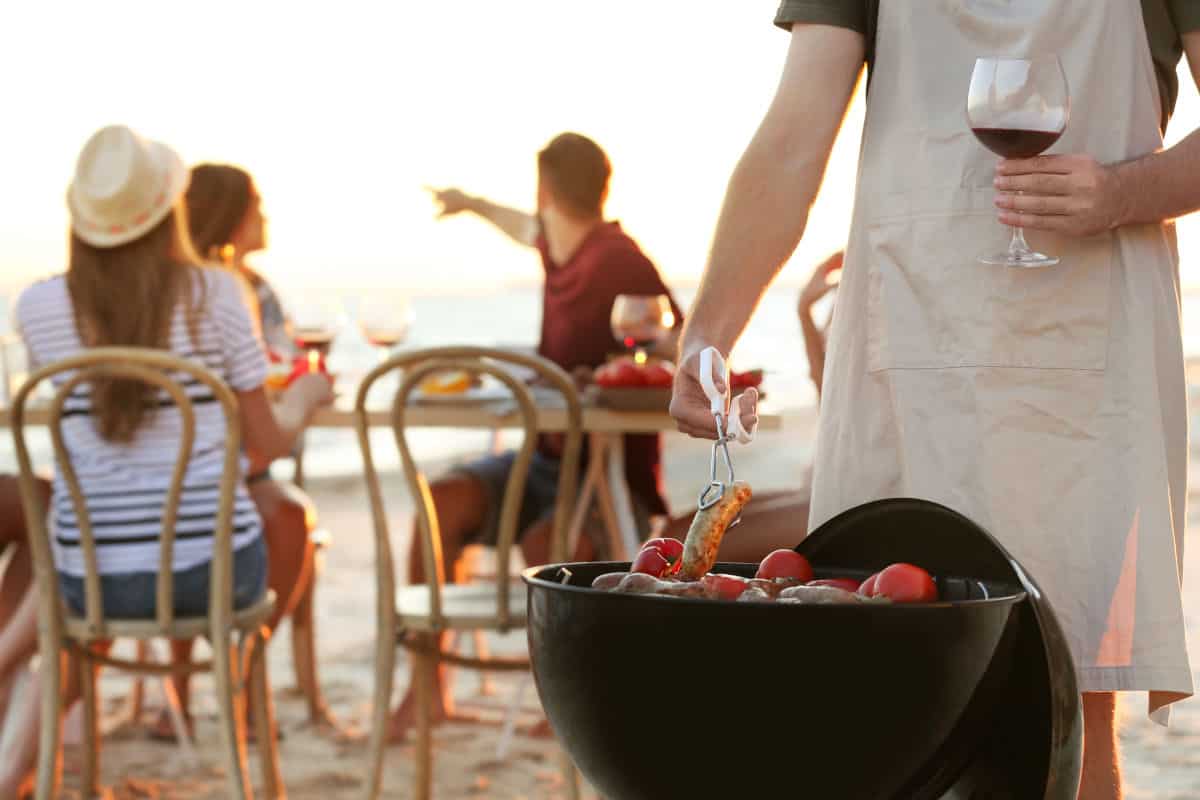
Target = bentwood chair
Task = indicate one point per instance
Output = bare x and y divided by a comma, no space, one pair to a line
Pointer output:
238,637
413,617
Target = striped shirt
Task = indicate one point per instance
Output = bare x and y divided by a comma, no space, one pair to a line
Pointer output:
125,484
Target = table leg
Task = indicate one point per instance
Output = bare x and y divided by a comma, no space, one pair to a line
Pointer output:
583,502
619,498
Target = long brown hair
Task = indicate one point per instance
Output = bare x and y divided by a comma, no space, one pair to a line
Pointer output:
218,198
126,296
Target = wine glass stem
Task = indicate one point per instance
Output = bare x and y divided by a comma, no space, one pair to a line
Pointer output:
1018,246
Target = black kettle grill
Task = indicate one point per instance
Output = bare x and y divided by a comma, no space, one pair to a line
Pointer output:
970,698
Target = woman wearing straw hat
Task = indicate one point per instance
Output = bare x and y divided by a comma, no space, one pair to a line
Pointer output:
134,280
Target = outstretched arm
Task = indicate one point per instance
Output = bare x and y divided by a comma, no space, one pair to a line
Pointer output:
767,202
520,226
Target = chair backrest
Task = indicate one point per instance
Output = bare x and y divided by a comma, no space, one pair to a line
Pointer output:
154,367
413,368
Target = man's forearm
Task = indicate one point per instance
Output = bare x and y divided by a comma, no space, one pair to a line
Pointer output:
520,226
775,182
1161,186
764,214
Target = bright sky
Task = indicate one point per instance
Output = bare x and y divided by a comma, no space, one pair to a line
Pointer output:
343,111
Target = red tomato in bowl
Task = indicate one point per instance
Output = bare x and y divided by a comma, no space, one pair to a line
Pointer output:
867,587
745,380
651,562
785,564
660,374
906,583
849,584
671,550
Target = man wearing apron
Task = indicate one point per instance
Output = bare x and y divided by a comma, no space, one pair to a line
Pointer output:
1048,405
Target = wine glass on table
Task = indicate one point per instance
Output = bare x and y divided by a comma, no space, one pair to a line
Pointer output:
640,321
315,325
1017,108
385,322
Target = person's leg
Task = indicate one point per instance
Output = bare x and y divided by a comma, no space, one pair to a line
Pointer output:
17,595
17,766
461,503
162,729
1101,778
286,514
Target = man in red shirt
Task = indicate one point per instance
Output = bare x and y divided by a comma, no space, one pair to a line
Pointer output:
588,262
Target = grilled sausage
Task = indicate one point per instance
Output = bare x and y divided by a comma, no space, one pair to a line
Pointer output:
708,528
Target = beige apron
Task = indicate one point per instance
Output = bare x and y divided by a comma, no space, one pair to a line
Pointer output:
1048,405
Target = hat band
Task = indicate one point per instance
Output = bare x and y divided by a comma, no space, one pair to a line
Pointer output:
118,228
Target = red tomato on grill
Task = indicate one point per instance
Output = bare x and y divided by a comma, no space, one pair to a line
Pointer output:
651,562
671,550
785,564
867,587
905,583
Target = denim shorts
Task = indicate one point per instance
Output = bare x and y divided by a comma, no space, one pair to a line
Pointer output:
131,595
541,492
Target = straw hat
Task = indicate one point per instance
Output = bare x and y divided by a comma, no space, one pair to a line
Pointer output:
124,185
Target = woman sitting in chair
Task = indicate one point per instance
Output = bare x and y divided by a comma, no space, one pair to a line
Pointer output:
226,223
134,280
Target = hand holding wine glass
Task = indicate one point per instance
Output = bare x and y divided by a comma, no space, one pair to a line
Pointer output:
315,324
640,321
1018,107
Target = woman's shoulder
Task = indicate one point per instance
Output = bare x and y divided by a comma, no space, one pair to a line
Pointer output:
41,299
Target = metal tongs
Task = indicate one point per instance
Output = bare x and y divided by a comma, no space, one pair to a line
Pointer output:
729,428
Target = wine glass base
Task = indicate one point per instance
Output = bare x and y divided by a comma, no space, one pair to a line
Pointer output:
1027,260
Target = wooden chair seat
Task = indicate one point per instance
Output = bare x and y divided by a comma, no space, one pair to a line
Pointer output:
465,606
249,618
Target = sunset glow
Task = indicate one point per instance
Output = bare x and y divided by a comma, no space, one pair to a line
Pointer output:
343,113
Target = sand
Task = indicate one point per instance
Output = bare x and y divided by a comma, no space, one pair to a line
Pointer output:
1159,763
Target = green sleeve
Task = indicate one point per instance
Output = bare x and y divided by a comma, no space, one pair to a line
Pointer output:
850,14
1186,14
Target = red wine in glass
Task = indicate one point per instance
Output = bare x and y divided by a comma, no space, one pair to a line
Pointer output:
1017,108
318,339
1016,142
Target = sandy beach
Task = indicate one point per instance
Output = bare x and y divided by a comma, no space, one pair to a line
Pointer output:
1160,764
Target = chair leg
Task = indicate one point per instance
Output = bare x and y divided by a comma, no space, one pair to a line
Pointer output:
230,707
137,696
304,653
50,738
385,669
424,664
90,775
264,719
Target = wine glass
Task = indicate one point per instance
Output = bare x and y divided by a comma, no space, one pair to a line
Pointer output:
1018,107
315,324
640,321
384,321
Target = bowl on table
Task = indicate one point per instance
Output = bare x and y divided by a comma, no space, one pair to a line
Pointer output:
972,696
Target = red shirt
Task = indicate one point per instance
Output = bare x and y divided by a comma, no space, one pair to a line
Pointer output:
576,307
